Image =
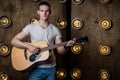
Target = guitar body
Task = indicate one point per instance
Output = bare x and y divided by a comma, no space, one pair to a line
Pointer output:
21,57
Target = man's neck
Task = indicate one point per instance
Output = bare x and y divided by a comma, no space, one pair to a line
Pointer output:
44,24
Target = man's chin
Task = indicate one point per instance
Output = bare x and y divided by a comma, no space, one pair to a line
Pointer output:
45,19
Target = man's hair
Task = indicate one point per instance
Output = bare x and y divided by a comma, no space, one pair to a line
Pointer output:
44,3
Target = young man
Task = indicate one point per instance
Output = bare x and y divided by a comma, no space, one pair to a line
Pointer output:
42,30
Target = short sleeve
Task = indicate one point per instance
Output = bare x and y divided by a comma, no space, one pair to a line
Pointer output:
58,33
27,29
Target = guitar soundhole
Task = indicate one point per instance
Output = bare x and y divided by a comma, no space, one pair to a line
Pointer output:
32,58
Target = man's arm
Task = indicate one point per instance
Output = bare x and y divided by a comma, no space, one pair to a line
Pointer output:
17,42
62,49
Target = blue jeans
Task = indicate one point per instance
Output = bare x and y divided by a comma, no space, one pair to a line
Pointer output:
42,74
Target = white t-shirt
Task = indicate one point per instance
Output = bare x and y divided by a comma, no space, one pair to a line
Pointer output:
48,34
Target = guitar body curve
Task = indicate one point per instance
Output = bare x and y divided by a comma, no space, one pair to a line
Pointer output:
21,57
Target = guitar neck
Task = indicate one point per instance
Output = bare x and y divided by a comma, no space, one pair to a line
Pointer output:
53,46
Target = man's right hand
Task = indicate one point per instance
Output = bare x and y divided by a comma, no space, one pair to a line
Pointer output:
34,50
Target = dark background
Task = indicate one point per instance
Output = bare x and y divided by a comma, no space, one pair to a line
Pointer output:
90,62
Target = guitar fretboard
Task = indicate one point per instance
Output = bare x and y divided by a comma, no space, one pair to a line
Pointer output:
53,46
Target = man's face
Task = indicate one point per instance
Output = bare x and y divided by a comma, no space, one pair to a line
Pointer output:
44,12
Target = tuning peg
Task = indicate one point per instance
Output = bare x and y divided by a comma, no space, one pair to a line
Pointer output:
82,39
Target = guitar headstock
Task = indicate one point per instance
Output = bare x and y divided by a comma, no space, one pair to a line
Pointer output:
82,39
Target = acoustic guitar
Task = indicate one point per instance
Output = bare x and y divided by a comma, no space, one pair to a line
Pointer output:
24,60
